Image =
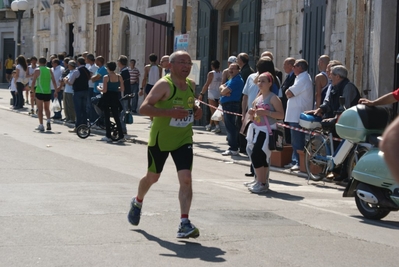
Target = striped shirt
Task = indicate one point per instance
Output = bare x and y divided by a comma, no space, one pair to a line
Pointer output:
134,75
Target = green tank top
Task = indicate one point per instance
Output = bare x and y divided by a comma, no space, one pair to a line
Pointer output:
43,81
169,133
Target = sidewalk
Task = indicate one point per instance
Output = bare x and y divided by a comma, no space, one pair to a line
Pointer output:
206,144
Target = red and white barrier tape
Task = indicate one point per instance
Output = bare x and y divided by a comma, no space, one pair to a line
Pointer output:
278,123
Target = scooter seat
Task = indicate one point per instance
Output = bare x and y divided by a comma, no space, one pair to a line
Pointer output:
373,117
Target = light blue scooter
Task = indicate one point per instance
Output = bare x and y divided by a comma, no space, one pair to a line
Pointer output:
376,192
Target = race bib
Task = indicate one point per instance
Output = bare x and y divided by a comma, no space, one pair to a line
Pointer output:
183,122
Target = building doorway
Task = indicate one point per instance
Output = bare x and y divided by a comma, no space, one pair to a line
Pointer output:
8,49
230,21
70,40
126,37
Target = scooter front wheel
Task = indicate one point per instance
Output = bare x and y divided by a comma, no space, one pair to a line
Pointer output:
83,131
370,211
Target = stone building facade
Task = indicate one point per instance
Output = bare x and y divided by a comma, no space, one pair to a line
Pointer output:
360,33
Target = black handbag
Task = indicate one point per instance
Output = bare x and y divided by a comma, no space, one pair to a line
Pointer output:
276,138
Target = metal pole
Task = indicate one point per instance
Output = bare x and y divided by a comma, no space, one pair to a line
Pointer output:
184,18
19,16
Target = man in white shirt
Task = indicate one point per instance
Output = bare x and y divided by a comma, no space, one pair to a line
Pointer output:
300,98
57,71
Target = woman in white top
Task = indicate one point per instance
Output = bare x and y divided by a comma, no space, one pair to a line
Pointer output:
13,89
21,80
213,82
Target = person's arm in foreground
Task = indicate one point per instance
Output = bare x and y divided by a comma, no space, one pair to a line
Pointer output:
390,146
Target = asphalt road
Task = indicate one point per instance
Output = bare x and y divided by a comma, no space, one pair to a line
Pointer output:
64,200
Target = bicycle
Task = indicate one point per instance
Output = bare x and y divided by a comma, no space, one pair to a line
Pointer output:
83,130
320,155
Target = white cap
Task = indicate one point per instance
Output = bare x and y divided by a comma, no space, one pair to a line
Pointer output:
232,59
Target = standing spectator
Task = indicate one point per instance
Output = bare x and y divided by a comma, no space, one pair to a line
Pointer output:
321,80
21,80
92,67
267,106
300,98
61,58
50,61
331,64
134,84
9,64
152,73
246,70
80,83
57,71
278,72
97,78
251,90
43,77
225,73
112,88
230,99
212,85
289,81
13,89
125,74
69,108
164,62
26,89
173,115
31,70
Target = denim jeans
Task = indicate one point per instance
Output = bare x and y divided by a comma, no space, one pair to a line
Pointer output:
297,142
135,99
230,123
80,103
57,115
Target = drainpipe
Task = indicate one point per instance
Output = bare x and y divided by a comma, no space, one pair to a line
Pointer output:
184,17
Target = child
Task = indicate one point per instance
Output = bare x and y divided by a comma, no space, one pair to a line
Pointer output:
13,89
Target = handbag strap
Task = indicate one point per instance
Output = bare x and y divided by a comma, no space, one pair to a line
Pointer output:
268,125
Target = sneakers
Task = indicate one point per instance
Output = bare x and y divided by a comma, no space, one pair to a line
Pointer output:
40,128
295,167
134,212
48,128
106,139
258,188
289,166
216,130
187,230
230,153
251,183
72,130
208,127
32,112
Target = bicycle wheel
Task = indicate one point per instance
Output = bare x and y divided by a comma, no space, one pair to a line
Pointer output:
83,131
316,168
361,150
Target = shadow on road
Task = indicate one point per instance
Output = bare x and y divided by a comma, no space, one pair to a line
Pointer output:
283,196
384,223
187,250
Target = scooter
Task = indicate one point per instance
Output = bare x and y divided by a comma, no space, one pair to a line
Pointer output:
376,192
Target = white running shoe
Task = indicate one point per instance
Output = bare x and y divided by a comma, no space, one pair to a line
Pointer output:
251,183
40,128
230,153
258,188
216,130
106,139
208,127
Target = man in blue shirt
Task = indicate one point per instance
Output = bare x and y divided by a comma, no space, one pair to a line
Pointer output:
231,101
100,73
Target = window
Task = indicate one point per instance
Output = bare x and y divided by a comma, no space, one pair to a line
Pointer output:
104,9
157,2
